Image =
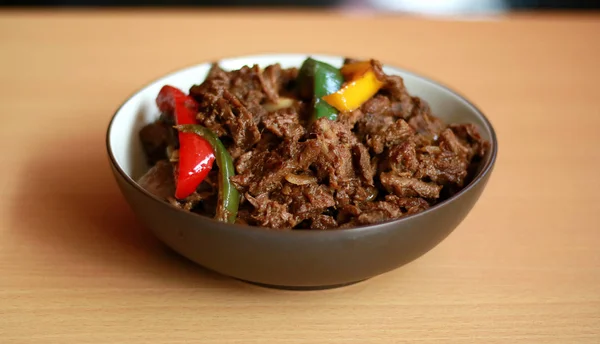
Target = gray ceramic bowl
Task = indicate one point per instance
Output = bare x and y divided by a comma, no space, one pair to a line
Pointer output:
297,259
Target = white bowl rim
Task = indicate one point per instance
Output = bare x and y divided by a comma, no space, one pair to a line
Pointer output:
485,170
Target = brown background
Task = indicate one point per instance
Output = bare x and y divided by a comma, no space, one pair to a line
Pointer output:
76,266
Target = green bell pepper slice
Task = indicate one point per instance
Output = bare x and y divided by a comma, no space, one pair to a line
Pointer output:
229,197
317,79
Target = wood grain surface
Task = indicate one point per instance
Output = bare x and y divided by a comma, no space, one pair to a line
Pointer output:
77,267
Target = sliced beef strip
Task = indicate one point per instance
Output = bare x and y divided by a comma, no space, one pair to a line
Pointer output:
449,142
469,135
402,158
224,114
409,187
423,122
408,205
370,124
305,201
284,123
265,174
375,212
323,222
212,105
262,170
354,192
348,60
286,83
371,129
278,82
244,216
225,100
239,120
308,153
350,118
368,213
159,180
334,157
378,105
154,138
362,163
347,212
247,85
446,163
217,73
394,134
269,82
442,167
269,213
400,103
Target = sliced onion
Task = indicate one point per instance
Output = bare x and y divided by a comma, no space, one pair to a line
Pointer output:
372,195
282,103
172,154
300,179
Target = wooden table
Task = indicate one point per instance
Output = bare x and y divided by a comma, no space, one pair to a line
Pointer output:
77,267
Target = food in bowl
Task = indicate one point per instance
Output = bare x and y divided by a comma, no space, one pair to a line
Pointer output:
315,147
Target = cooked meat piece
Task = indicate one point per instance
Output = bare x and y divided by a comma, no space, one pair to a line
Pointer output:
354,191
159,180
305,201
350,118
394,134
409,187
347,212
370,126
246,161
323,222
216,73
378,105
154,138
284,123
286,84
308,153
224,102
377,212
469,134
240,123
334,160
449,142
362,163
423,122
269,213
402,158
269,82
244,216
408,205
402,103
442,167
349,60
246,85
266,172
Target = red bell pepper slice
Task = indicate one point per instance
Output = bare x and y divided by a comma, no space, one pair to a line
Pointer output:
196,155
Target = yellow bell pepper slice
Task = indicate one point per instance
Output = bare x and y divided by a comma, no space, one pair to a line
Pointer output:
355,93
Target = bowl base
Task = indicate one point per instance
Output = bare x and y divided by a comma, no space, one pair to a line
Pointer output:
301,288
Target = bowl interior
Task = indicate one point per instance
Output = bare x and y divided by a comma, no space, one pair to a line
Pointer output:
141,109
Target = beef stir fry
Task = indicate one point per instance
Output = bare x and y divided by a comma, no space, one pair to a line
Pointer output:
310,148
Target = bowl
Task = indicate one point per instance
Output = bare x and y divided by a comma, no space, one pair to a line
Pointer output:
291,259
